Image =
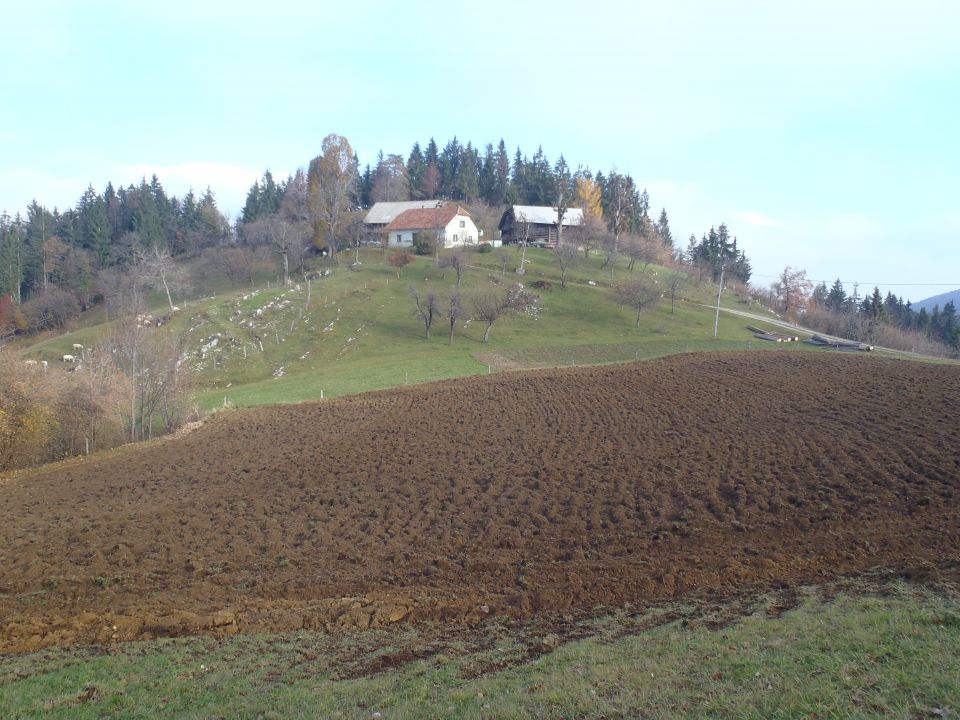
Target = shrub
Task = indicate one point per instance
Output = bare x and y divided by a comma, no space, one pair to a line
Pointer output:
484,247
51,310
424,243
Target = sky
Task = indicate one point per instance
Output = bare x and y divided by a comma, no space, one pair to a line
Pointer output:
823,133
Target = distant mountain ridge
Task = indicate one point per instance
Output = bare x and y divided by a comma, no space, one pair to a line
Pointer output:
937,300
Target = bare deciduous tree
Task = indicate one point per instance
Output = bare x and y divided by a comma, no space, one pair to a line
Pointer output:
645,247
157,381
454,312
287,239
675,281
525,230
459,260
236,263
490,306
590,234
51,309
638,293
503,257
156,268
566,257
429,307
619,188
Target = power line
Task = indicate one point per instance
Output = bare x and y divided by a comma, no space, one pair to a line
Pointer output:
866,282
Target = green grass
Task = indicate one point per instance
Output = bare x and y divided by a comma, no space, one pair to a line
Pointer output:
892,653
359,331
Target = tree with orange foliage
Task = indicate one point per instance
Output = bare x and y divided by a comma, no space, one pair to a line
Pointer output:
331,190
791,290
590,197
400,260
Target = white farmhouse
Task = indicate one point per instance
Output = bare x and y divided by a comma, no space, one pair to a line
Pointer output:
384,213
451,226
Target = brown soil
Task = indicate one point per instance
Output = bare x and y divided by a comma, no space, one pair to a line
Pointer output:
695,476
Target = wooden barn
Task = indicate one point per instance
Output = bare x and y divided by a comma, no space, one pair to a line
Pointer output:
535,224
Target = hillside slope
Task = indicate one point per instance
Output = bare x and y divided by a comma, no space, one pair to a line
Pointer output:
356,329
523,492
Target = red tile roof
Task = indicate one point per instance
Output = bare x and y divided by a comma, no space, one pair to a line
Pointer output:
426,218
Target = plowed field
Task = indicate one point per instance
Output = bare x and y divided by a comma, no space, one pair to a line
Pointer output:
689,476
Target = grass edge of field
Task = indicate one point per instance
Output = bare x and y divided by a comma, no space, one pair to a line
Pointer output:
893,650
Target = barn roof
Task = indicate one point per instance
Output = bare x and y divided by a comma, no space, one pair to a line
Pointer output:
385,212
542,215
426,218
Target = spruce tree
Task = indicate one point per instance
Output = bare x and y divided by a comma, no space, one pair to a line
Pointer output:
663,227
836,300
467,180
487,179
501,175
416,170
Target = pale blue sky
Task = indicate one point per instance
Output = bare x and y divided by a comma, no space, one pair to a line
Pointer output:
823,133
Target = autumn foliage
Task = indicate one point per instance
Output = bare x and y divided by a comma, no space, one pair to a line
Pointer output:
48,414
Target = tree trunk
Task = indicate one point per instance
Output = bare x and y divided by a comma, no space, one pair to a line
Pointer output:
133,399
638,318
486,333
163,279
453,324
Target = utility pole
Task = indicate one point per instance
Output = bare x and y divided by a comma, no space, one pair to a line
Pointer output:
716,320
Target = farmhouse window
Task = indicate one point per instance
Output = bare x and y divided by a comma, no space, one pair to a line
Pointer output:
463,223
456,238
398,238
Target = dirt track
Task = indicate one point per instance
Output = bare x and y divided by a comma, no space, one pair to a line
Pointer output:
687,476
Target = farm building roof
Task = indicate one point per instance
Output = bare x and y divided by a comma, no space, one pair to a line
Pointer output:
426,218
543,215
384,212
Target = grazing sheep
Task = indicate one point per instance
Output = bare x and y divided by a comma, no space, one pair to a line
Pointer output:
78,347
30,363
69,359
44,364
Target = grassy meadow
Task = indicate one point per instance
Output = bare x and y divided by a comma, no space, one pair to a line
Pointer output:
356,328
